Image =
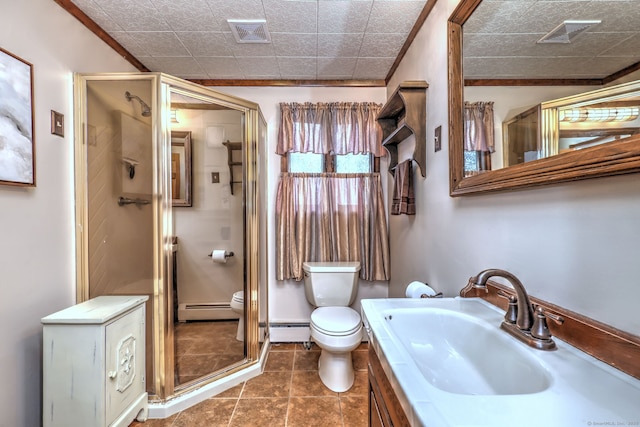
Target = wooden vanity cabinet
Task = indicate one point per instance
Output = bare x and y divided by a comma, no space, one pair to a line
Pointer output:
384,407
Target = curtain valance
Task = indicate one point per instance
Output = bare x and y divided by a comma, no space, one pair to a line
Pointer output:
330,128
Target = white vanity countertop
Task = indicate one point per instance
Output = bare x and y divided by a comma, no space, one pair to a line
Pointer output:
583,390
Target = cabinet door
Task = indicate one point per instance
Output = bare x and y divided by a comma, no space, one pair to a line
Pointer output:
375,418
124,362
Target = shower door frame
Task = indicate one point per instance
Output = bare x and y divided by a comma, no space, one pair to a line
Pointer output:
162,317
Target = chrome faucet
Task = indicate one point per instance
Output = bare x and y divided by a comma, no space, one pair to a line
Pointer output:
526,328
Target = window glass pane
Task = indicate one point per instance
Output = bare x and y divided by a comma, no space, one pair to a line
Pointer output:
306,162
471,161
353,163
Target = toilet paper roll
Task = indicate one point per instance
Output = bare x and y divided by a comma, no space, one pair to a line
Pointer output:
417,289
219,256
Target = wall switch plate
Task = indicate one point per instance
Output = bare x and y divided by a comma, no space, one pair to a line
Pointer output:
215,177
57,123
438,138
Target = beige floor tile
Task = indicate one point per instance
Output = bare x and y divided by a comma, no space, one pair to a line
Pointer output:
210,413
360,360
355,411
283,346
269,384
279,361
306,360
269,412
308,384
360,385
314,412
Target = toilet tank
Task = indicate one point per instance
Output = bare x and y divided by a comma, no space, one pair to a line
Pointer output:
331,283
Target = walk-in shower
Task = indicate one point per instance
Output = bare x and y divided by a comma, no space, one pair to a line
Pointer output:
145,109
133,240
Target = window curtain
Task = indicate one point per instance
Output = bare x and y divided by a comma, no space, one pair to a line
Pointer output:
331,217
330,128
478,127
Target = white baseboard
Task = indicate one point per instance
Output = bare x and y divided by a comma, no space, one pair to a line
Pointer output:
289,332
205,311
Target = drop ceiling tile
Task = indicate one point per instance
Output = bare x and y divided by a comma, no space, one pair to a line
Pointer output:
625,16
179,67
159,43
93,11
610,66
340,45
236,9
372,68
382,45
299,67
220,67
285,16
496,17
286,44
205,43
186,15
336,67
628,47
544,68
248,49
259,67
394,16
130,43
343,16
140,15
587,44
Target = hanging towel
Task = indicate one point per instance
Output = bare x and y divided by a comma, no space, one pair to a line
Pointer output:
404,201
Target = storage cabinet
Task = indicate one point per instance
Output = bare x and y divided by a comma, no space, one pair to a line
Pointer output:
384,407
405,114
94,363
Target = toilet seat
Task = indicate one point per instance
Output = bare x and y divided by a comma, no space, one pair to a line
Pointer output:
336,321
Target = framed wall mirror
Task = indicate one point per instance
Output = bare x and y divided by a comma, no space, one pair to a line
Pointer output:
181,165
492,58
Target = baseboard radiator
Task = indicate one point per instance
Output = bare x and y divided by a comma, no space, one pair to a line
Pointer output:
289,332
205,311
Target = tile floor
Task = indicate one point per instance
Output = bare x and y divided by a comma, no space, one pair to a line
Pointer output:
205,347
288,394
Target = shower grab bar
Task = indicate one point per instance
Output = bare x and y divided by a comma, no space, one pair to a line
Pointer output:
127,201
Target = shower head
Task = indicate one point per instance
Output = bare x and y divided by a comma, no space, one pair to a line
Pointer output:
145,109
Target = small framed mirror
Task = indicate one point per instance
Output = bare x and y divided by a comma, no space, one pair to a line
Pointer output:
181,168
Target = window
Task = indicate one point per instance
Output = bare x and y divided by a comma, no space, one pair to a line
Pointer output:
339,163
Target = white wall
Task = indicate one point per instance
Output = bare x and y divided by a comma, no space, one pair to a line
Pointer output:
573,244
287,303
37,261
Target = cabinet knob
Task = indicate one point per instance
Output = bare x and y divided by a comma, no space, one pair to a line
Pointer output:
112,374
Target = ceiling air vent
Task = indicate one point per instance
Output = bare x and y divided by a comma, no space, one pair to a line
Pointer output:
250,30
567,31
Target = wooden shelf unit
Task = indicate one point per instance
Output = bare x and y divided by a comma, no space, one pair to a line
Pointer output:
233,162
405,114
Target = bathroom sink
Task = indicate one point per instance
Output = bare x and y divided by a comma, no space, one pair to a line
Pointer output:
450,365
460,353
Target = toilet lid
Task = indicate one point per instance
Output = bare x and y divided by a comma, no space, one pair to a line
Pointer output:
238,296
336,320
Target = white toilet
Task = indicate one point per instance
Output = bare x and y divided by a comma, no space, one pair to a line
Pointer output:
336,328
237,306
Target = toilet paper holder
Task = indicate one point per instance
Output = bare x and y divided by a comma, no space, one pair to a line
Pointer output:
226,254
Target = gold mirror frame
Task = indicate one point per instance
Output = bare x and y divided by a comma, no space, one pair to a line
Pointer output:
613,158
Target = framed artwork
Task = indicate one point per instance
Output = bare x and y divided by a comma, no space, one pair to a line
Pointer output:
17,142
